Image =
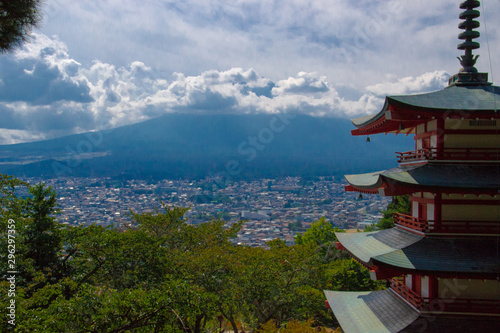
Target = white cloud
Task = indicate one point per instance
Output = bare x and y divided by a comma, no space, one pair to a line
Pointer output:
409,85
51,94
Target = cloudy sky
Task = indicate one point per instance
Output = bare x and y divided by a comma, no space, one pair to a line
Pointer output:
101,64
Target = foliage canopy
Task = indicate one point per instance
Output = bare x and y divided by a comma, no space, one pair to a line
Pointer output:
162,275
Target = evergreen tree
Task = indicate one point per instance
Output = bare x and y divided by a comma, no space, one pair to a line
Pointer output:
17,19
43,235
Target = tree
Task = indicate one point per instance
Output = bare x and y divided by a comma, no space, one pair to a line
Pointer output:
294,326
43,236
349,275
399,204
280,284
17,19
162,275
321,234
10,204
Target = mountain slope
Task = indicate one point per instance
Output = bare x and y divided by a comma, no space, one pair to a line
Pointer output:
180,145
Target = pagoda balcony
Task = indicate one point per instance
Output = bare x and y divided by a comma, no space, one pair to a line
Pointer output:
397,285
449,154
411,222
450,305
461,305
446,226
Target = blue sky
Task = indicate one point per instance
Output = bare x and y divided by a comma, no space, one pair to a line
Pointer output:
101,64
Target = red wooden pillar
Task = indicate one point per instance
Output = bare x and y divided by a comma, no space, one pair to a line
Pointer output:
433,287
438,211
416,284
440,138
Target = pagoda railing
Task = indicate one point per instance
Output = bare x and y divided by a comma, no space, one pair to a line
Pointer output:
485,306
449,154
397,285
467,227
415,155
446,226
411,222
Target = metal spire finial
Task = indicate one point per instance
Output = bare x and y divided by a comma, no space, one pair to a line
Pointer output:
469,60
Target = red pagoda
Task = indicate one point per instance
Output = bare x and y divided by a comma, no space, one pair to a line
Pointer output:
442,262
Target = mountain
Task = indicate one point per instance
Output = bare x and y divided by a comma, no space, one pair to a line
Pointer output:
193,146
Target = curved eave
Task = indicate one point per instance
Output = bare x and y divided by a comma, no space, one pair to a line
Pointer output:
404,251
462,99
382,123
367,245
383,311
366,181
376,311
445,177
379,123
401,114
458,256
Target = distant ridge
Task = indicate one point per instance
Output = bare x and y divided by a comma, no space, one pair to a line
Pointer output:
196,146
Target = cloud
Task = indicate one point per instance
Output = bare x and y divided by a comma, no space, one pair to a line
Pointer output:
304,83
41,74
355,42
409,85
49,94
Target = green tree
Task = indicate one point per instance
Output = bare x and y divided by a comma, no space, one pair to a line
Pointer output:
43,235
293,326
280,284
17,19
37,233
11,205
321,234
163,275
399,204
349,275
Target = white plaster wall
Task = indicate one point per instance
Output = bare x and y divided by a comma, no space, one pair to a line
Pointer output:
473,289
425,286
408,281
414,208
430,212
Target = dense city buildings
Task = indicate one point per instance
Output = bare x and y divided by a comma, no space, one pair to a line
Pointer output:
272,208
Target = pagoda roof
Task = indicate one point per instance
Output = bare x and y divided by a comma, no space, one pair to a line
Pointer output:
411,178
406,251
383,311
376,311
454,98
366,245
455,101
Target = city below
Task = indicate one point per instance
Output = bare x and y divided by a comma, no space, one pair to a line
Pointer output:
272,208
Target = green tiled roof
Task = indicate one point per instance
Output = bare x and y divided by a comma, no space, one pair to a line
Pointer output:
461,98
366,245
470,99
383,312
403,249
367,119
457,255
468,176
376,311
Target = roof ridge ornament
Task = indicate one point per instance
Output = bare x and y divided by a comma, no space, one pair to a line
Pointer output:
469,60
468,74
